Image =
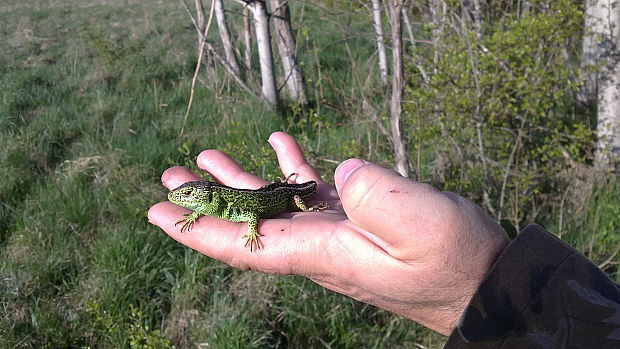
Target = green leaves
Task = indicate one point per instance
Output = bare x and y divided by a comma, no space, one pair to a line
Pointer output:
502,103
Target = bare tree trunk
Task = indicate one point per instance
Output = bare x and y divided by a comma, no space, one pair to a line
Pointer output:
407,24
476,13
229,52
401,159
376,18
247,40
211,52
608,102
525,7
265,55
593,26
200,21
293,76
200,14
437,9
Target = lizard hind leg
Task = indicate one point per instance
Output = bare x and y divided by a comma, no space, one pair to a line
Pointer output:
289,177
299,203
283,180
252,237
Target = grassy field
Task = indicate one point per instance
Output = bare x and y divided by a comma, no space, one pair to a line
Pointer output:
92,97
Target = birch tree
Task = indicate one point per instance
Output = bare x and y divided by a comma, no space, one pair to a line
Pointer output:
400,155
379,37
593,23
229,51
293,77
604,18
200,16
260,17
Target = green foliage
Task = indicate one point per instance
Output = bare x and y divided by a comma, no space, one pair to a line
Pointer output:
132,332
497,109
590,221
349,325
92,101
92,107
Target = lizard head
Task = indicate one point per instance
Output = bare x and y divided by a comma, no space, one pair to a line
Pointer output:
191,194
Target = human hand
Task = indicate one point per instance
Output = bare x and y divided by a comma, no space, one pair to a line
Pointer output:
389,241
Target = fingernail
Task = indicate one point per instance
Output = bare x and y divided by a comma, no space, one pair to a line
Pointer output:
271,138
345,169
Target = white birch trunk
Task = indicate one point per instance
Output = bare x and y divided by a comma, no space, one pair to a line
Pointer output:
200,21
408,26
400,155
608,80
593,26
293,76
376,18
229,52
200,15
265,55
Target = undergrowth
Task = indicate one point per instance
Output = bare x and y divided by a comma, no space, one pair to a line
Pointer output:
92,100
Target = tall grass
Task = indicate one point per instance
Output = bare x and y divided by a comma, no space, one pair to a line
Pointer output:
589,219
92,99
92,96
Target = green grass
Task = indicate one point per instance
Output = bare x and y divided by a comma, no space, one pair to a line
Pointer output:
592,223
92,96
92,101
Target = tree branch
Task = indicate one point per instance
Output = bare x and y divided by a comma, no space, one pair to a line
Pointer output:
199,63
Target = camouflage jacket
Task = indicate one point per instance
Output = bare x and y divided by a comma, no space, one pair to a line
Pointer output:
541,293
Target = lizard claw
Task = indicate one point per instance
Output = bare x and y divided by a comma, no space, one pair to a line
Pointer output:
187,226
319,207
188,221
252,240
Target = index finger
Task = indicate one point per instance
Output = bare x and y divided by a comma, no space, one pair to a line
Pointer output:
292,159
227,171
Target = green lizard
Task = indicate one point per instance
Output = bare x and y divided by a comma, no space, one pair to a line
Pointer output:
242,205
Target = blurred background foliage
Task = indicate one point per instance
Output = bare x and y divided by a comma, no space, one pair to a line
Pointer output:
92,98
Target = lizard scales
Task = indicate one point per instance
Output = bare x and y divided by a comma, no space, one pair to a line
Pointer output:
242,205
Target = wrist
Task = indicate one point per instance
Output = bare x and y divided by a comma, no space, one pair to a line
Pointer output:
445,318
469,282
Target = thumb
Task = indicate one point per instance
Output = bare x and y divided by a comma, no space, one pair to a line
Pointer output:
396,209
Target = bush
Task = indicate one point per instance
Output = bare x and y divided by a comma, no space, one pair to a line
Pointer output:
497,107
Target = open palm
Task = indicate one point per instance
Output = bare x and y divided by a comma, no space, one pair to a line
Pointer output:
391,242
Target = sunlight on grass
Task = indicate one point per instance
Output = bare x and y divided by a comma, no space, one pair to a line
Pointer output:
93,94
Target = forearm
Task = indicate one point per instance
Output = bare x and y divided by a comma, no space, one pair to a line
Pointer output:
541,293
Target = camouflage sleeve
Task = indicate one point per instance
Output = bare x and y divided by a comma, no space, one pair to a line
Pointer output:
541,293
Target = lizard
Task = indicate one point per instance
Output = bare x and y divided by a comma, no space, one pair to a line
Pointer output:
208,198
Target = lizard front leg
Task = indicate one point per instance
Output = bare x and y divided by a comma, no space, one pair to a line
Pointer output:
299,203
189,220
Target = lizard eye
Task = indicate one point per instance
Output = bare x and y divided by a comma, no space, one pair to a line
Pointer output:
186,191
